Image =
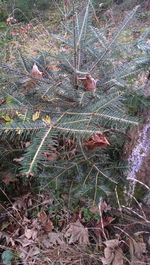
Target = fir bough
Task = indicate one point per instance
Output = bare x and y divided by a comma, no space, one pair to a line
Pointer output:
68,113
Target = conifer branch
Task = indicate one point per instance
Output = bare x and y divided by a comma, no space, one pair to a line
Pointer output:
82,132
123,25
38,151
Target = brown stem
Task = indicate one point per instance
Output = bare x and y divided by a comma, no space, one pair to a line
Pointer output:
75,49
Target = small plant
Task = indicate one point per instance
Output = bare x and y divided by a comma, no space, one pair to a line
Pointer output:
72,112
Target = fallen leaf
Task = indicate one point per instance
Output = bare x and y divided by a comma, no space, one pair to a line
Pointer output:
27,84
112,243
42,217
77,233
35,72
47,119
46,223
88,82
103,207
109,256
36,115
22,202
99,231
27,252
48,227
118,257
7,118
53,239
9,240
24,241
96,140
113,254
30,233
137,251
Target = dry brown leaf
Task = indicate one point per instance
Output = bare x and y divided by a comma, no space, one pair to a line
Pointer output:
104,207
22,202
53,239
118,257
113,254
48,227
112,243
24,241
77,233
88,82
109,256
137,251
9,240
25,253
36,73
45,222
30,233
27,84
36,116
42,216
33,251
96,140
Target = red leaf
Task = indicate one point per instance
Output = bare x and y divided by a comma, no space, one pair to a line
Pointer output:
45,222
96,140
88,82
102,224
36,72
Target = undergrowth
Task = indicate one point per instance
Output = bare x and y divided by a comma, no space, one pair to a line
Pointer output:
66,110
67,114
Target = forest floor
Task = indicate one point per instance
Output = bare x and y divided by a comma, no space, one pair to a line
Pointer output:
40,229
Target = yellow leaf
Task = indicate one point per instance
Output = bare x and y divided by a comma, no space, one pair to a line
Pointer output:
19,114
36,115
7,118
19,131
47,119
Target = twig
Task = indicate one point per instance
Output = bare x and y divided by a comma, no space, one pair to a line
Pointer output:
75,48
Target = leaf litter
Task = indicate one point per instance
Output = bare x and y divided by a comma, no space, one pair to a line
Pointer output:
31,236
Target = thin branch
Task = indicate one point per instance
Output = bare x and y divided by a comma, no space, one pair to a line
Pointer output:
124,24
38,151
104,116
